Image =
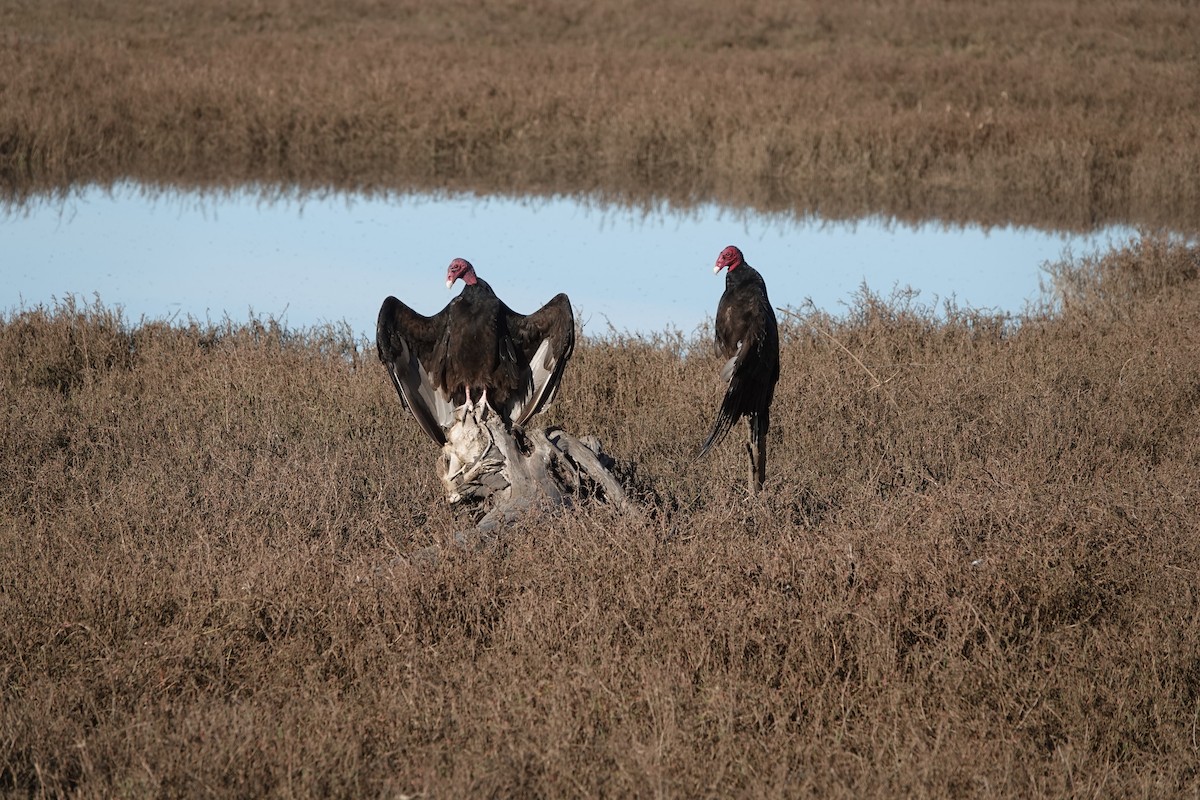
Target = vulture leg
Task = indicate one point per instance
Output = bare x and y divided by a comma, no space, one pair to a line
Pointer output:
752,482
472,405
757,447
758,464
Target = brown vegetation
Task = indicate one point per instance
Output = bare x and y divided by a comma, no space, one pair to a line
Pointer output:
1054,113
973,572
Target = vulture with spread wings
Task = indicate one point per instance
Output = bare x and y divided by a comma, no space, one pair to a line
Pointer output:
474,350
748,337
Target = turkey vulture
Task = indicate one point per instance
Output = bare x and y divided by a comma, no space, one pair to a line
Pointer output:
748,337
476,349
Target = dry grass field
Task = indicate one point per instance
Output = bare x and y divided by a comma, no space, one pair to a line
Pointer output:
973,572
1054,113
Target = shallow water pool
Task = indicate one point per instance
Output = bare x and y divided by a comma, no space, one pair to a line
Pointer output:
313,260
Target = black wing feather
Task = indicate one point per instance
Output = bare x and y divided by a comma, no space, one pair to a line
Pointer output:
543,343
748,336
429,359
411,345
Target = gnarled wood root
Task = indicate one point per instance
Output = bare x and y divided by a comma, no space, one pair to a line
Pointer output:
515,470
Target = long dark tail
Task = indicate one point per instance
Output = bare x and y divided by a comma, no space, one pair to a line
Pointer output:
727,414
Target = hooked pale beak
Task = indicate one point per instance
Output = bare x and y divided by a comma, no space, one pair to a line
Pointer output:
717,269
449,283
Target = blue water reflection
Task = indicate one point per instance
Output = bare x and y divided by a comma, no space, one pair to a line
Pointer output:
312,260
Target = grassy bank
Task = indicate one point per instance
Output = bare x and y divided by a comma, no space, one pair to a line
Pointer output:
1053,113
973,572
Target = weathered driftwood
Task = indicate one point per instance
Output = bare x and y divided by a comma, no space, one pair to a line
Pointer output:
486,462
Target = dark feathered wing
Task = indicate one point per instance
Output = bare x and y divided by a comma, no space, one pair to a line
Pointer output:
748,335
408,345
542,342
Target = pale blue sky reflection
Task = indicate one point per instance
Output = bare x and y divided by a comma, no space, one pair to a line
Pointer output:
315,260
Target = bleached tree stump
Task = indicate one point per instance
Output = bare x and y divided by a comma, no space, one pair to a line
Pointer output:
486,462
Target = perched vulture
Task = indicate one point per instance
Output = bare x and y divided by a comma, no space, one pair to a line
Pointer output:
748,337
476,349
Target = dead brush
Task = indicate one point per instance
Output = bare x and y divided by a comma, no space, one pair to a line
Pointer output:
913,112
971,574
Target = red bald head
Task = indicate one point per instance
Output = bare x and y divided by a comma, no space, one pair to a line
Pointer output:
460,268
730,258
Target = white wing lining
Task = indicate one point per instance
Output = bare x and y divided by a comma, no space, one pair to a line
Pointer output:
428,404
731,365
538,385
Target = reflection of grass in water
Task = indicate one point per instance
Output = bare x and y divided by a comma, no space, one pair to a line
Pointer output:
973,566
1044,114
